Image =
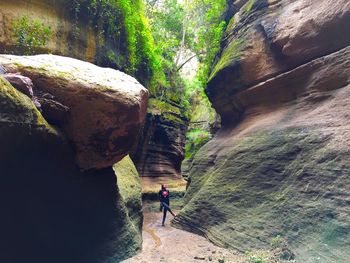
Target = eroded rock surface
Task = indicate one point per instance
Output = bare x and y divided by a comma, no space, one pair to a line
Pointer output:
72,34
106,107
161,147
267,38
129,184
51,211
280,164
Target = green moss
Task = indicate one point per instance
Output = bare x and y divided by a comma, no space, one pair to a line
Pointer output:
129,185
248,7
253,258
158,107
231,23
250,172
229,57
17,107
166,110
195,139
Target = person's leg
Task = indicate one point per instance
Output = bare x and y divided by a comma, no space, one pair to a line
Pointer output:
166,206
160,207
164,215
171,212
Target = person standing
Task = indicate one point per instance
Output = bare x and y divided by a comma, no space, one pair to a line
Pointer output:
164,202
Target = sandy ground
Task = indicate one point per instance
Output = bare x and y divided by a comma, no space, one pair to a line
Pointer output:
171,245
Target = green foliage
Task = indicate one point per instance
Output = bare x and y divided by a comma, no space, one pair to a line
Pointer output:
166,19
131,47
30,34
248,7
210,26
254,258
142,50
277,241
195,139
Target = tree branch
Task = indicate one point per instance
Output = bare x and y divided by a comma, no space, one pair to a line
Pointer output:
187,60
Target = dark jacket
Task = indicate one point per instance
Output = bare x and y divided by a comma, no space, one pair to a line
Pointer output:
164,196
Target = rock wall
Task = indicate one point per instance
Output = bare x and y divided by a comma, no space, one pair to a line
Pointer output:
59,16
56,207
161,147
80,32
280,164
130,190
89,30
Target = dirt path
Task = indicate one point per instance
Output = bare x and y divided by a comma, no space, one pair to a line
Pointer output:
171,245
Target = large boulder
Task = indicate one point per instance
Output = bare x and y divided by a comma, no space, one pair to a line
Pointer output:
106,107
279,166
51,211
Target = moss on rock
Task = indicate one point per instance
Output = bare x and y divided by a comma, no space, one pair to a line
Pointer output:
230,56
129,185
52,211
18,108
268,184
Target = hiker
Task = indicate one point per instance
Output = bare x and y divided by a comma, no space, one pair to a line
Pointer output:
164,202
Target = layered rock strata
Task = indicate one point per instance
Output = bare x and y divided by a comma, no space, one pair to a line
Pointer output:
161,147
280,164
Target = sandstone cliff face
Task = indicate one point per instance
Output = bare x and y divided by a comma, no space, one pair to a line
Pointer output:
161,147
59,16
267,38
280,165
54,209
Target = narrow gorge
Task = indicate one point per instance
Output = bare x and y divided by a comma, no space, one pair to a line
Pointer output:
240,107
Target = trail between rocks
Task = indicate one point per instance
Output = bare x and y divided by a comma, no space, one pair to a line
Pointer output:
171,245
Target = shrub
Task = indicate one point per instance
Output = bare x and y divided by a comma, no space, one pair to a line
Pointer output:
30,34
